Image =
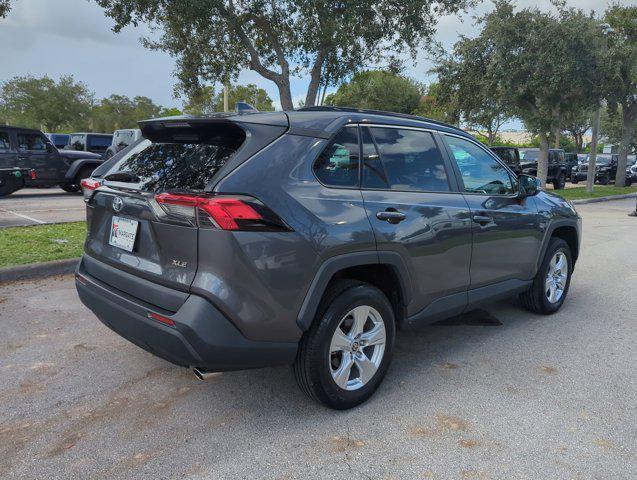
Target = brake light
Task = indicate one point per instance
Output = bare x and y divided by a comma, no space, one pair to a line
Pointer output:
90,183
32,175
223,212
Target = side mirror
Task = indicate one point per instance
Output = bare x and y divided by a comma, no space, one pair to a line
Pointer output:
528,185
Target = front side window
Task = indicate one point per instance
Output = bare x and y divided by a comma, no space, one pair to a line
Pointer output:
481,173
31,141
410,160
337,165
4,141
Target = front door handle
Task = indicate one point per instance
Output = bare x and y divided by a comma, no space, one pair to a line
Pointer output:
482,219
391,216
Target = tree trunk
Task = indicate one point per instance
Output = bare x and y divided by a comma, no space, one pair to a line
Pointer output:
315,80
557,133
579,142
543,160
590,176
490,137
628,125
285,94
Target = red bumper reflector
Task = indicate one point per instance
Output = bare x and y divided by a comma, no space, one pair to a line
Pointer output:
159,318
32,174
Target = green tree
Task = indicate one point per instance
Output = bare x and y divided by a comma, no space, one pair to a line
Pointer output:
5,6
44,103
612,129
576,124
547,64
378,90
119,111
469,79
205,100
621,93
213,40
433,104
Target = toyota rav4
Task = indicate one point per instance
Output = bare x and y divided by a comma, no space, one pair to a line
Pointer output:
308,237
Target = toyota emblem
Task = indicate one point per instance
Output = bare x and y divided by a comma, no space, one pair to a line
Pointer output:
118,204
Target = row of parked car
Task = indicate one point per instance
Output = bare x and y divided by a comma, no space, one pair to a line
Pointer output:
563,166
30,158
104,144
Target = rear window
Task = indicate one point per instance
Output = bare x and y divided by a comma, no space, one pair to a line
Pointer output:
529,155
99,142
178,162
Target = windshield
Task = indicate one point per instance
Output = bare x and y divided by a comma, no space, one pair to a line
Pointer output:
529,155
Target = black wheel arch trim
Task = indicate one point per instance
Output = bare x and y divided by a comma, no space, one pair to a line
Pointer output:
333,265
554,225
77,165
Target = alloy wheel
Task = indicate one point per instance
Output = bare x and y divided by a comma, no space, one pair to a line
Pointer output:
357,347
556,277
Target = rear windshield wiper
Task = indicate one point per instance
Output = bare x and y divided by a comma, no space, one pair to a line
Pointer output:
122,177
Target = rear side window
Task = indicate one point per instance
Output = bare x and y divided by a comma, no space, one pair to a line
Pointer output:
4,141
31,141
337,166
77,142
410,159
177,161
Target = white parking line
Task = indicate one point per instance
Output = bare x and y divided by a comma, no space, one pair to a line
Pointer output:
22,216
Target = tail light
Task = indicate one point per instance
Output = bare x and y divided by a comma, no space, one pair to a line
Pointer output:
239,212
32,174
89,185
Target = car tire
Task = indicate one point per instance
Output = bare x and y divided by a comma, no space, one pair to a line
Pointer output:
574,180
70,188
85,172
559,183
321,363
540,297
604,180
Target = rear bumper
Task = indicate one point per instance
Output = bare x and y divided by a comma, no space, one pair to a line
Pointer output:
201,336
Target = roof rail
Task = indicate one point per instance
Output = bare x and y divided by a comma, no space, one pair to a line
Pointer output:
327,108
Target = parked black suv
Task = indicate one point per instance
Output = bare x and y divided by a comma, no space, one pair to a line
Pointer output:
90,142
511,156
307,237
605,170
39,163
556,169
571,161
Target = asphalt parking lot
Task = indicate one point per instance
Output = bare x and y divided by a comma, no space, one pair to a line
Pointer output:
495,394
33,206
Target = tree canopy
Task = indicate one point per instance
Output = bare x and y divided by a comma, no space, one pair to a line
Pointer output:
214,40
204,100
469,79
378,90
44,103
546,65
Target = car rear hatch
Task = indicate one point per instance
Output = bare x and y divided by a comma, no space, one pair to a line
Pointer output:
143,217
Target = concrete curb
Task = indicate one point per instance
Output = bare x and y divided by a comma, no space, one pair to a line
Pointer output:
584,201
38,270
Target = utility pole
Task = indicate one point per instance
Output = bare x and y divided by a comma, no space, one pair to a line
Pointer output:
592,157
590,175
225,97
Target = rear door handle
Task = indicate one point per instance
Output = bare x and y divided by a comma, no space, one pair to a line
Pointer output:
482,219
391,216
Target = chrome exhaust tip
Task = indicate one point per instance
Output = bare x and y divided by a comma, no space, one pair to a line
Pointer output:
202,374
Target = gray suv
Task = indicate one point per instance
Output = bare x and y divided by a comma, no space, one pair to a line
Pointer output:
308,237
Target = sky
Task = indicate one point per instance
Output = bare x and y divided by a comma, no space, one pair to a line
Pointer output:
58,37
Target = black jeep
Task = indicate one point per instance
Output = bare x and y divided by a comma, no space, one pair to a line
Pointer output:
29,159
556,173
